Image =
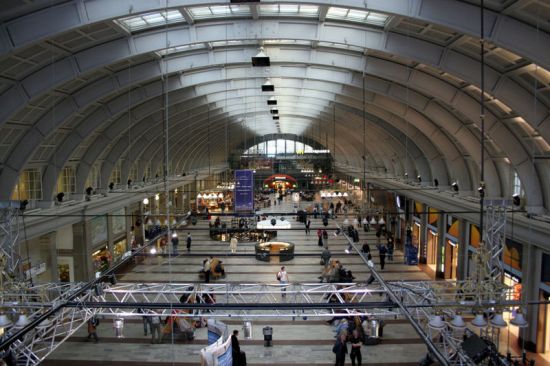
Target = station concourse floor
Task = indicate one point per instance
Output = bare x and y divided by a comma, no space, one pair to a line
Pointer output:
295,342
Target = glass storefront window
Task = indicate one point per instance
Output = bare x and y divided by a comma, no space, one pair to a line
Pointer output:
119,248
102,259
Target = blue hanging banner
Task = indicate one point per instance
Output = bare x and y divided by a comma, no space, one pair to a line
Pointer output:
244,191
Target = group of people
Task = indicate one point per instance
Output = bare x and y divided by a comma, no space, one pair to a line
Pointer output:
212,267
334,271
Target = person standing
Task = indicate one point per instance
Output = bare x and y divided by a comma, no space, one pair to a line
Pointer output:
390,248
92,328
156,335
233,245
320,237
282,276
239,357
189,240
382,251
355,353
340,349
206,269
175,242
308,224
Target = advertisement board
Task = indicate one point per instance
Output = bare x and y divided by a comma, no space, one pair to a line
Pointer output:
244,191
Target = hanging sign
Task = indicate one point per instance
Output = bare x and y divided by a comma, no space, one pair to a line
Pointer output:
244,190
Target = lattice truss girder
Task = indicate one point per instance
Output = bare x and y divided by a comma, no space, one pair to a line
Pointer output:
248,300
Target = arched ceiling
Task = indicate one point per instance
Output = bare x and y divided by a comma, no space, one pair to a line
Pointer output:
91,83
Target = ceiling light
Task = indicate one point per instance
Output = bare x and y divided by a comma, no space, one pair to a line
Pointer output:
157,197
519,320
373,221
479,321
498,321
268,86
261,59
272,101
381,221
455,186
458,322
436,323
146,201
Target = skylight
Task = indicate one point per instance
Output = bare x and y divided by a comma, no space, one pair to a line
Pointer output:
187,47
289,9
202,12
361,16
150,20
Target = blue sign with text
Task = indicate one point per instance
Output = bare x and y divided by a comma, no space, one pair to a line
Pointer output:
244,190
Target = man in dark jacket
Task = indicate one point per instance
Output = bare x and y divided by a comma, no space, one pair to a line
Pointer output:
340,349
239,357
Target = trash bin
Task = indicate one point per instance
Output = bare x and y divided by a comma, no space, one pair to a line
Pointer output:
374,328
268,336
247,329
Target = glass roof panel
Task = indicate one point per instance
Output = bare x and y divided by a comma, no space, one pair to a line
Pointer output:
187,47
354,15
289,9
150,20
201,12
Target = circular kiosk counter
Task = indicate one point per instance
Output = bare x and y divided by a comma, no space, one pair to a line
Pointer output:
274,251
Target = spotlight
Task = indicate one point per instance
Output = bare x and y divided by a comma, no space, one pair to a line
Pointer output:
455,186
516,200
274,111
261,59
275,118
89,191
268,86
146,201
272,101
153,250
111,186
436,323
479,321
129,183
60,196
419,179
436,182
519,320
406,175
22,321
273,222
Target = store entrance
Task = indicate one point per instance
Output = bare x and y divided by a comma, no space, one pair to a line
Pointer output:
451,259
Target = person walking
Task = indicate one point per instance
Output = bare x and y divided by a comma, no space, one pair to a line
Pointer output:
146,321
93,323
189,240
175,242
308,224
355,353
325,257
233,245
382,251
206,269
340,349
325,238
156,335
282,276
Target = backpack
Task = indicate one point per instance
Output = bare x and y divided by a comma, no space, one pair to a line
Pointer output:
278,276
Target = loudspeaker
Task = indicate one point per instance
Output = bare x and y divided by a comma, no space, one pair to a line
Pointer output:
475,348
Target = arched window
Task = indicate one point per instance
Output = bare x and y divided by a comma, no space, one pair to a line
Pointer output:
272,148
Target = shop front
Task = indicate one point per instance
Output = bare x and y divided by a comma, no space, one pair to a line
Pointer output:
543,324
101,259
432,244
451,248
119,248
